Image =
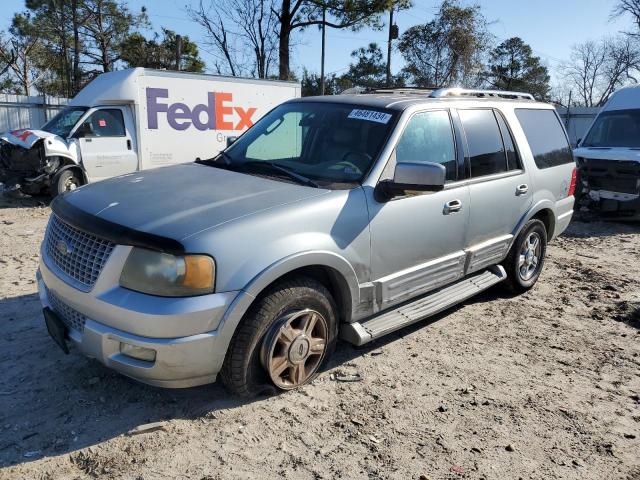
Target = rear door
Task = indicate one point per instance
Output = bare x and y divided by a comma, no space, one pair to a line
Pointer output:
499,186
109,148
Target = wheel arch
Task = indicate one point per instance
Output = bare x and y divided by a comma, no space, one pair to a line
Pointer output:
544,211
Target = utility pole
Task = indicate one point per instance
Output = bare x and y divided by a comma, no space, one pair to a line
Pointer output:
178,51
324,27
393,34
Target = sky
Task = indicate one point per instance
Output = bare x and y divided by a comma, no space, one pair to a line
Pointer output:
551,27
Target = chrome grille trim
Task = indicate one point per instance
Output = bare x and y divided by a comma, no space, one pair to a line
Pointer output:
71,317
85,254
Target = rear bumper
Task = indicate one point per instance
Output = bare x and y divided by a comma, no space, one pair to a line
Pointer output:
180,361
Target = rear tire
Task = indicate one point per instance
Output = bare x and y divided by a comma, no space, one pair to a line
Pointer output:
65,181
278,344
526,258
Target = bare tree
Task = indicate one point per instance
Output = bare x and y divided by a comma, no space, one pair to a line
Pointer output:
254,42
629,7
596,69
16,53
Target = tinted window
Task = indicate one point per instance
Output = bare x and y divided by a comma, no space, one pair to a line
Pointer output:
513,160
428,137
107,123
486,152
546,137
616,128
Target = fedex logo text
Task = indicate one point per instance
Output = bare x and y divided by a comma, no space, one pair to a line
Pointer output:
216,114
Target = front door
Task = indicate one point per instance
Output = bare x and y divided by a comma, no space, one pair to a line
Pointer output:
417,240
107,143
499,187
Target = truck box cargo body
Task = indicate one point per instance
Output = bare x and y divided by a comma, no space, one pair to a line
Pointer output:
133,120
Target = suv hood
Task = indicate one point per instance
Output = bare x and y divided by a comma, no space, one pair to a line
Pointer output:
182,200
605,153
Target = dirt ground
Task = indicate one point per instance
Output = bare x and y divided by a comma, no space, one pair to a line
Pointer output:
540,386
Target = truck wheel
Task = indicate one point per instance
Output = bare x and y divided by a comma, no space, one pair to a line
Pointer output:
526,257
65,181
284,339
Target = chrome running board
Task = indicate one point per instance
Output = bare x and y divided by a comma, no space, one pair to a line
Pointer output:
360,333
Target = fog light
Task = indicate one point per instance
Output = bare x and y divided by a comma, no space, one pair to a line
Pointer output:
139,353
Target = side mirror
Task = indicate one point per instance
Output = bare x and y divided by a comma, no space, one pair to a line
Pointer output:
230,140
413,176
84,130
578,142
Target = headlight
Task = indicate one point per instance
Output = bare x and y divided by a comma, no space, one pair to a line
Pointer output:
168,275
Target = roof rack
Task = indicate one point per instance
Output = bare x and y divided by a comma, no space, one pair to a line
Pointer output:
464,92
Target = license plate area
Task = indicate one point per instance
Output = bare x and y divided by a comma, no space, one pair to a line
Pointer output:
56,328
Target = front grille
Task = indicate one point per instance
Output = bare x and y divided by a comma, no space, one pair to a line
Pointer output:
71,318
620,176
79,255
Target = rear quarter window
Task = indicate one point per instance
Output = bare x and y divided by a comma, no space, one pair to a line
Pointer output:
546,137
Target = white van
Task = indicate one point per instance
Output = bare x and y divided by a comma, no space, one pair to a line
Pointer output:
608,157
132,120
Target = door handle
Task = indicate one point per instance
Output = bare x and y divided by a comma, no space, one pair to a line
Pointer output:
522,189
128,144
452,206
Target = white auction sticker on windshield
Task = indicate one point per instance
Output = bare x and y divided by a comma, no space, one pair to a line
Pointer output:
370,115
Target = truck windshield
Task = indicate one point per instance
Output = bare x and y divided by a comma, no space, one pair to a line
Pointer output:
615,128
322,142
64,121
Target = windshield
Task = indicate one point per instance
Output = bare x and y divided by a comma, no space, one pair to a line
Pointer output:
64,121
615,128
322,142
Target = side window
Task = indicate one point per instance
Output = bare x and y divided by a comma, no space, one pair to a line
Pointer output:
513,160
486,151
546,137
282,140
428,137
108,122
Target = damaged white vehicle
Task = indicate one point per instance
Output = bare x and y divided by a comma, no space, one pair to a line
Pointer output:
31,160
132,120
609,158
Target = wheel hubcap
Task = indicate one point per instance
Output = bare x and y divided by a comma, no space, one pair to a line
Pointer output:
294,348
529,256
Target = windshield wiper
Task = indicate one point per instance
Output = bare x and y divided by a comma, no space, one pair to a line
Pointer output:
213,162
267,165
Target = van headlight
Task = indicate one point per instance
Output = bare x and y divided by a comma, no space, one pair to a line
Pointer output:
168,275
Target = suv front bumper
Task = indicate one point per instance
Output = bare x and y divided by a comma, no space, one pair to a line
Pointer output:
94,321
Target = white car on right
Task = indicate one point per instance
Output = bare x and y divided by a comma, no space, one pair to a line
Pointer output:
608,157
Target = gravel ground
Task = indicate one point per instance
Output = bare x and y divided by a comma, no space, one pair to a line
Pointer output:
543,386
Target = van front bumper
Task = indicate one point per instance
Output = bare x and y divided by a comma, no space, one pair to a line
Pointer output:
182,358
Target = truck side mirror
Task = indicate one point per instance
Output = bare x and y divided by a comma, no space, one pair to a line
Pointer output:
413,176
231,140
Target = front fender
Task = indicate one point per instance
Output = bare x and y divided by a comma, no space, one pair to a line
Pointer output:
305,259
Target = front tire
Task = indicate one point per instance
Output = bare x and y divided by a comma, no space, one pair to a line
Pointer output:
283,340
526,258
65,181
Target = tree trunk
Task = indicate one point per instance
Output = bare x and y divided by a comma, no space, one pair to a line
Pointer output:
284,37
76,47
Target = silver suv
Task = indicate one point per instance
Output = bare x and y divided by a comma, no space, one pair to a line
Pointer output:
350,216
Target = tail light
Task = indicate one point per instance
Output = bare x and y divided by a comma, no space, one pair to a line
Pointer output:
572,185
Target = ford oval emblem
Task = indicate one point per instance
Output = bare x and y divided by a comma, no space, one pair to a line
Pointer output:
63,247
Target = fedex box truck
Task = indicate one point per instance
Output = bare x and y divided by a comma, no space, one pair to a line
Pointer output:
132,120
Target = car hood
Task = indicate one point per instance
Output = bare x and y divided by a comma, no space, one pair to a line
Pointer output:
182,200
613,153
26,137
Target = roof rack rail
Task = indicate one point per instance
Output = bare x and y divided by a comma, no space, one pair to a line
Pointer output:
465,92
